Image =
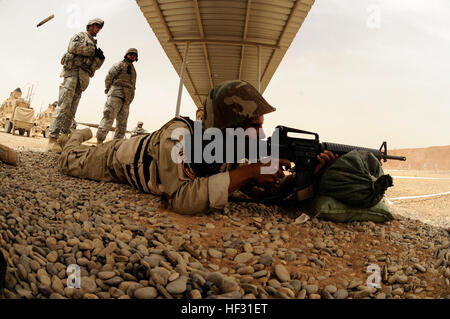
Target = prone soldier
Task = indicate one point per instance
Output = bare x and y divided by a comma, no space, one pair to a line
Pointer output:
80,62
146,161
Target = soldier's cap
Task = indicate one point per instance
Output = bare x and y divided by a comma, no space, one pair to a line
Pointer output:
232,103
132,50
98,21
18,90
140,123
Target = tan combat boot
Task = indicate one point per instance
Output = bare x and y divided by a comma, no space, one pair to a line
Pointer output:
87,134
78,135
8,155
53,145
62,140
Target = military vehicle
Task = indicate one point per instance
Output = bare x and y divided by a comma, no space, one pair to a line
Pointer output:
43,119
16,114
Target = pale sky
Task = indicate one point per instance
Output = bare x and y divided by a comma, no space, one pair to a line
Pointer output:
358,72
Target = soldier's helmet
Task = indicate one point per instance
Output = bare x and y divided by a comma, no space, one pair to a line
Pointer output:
232,103
98,21
17,93
140,123
132,50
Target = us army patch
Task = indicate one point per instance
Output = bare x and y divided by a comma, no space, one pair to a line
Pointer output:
185,172
188,170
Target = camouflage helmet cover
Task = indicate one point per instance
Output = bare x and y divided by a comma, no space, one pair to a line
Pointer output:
16,93
231,103
98,21
132,50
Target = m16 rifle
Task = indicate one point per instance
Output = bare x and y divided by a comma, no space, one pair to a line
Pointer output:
303,152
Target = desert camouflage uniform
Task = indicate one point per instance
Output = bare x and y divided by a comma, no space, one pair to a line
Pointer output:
79,65
145,161
120,84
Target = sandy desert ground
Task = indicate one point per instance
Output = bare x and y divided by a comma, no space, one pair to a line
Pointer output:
433,210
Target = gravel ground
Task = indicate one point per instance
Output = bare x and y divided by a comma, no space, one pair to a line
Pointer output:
129,246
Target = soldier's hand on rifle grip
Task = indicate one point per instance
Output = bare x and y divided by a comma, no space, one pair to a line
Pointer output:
324,158
253,174
266,180
99,53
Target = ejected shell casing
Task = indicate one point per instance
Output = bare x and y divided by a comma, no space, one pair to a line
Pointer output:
385,276
45,20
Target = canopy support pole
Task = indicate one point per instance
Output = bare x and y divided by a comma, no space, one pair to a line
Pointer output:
180,87
258,68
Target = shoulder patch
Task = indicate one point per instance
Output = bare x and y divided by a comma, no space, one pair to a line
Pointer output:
185,171
188,170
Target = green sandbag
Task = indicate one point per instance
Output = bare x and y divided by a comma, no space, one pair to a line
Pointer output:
355,178
331,209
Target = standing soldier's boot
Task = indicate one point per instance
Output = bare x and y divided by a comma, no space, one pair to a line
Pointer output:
8,155
53,145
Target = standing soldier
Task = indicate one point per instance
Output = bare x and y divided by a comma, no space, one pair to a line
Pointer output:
80,62
138,130
120,85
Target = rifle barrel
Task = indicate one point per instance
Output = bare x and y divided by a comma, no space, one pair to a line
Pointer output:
398,158
97,125
341,149
88,124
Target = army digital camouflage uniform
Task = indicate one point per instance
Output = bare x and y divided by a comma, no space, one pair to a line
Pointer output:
138,131
79,65
120,84
145,161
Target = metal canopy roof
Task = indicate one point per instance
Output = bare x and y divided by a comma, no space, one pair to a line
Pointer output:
224,39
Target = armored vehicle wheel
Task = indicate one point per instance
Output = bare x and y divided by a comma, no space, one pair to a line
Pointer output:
28,132
8,126
21,131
